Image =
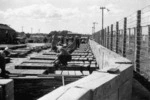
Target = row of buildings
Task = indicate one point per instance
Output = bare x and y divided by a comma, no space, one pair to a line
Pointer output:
9,36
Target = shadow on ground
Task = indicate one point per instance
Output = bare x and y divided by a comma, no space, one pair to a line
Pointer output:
139,92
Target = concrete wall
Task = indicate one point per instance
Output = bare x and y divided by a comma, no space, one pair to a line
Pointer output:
100,85
6,89
104,56
1,94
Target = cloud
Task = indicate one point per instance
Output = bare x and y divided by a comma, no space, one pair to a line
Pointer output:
114,9
94,9
45,12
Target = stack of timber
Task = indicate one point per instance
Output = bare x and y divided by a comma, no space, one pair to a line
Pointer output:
82,63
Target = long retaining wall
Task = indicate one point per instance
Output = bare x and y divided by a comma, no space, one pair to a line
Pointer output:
100,85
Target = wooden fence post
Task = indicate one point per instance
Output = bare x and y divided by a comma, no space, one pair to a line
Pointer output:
124,37
122,41
117,36
102,31
100,40
111,38
148,38
102,35
95,37
129,37
108,37
138,42
98,37
135,39
105,43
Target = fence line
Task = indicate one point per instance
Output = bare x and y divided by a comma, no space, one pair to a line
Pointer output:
130,37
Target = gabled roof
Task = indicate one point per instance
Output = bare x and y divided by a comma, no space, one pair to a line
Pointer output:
4,26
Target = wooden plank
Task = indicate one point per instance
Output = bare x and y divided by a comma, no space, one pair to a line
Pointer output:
73,67
38,64
65,73
75,59
44,58
26,71
85,59
93,65
71,62
75,56
90,59
71,73
83,56
81,64
33,72
90,54
78,62
50,53
78,73
81,59
34,66
93,62
58,72
16,71
13,54
38,61
57,76
86,62
21,50
86,65
79,51
74,53
86,73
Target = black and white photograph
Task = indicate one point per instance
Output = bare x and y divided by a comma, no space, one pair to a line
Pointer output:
74,49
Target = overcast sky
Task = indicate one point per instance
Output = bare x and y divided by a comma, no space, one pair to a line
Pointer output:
72,15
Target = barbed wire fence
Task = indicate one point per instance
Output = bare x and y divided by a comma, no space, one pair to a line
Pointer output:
130,37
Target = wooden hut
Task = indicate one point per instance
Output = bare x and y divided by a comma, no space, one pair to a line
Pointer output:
7,34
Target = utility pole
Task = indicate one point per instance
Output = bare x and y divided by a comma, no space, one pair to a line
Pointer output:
93,33
31,29
39,30
102,8
22,28
93,28
94,23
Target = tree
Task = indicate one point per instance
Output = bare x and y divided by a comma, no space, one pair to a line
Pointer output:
28,35
52,33
45,40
